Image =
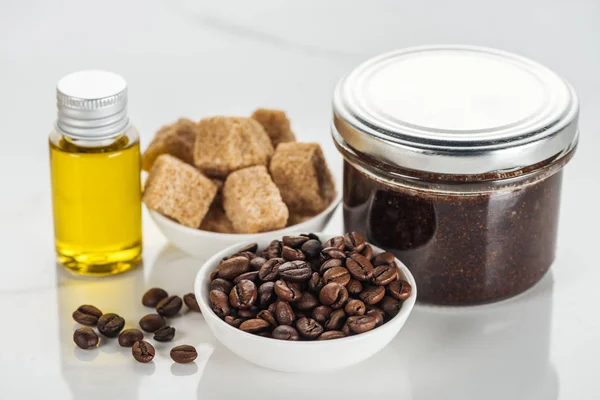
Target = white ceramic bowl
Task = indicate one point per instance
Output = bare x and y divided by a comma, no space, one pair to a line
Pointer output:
204,244
315,356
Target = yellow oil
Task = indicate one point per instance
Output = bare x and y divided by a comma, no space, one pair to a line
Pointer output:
96,200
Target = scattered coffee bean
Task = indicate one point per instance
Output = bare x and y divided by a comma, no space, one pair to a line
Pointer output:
128,337
361,323
169,306
110,325
321,313
354,241
336,320
400,290
384,258
291,254
334,295
85,338
295,271
219,302
243,295
385,274
274,249
285,332
338,275
336,242
249,276
267,316
287,291
270,269
372,294
359,267
183,354
309,328
87,315
354,287
257,262
143,351
254,325
153,296
221,284
284,313
191,302
331,335
390,306
152,322
164,334
230,268
294,242
312,248
355,307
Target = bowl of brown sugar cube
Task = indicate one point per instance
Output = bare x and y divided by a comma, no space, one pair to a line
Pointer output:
223,180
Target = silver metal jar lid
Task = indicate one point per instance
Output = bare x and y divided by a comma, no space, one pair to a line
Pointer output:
92,105
455,110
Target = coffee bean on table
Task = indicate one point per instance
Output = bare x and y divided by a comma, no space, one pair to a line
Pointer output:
354,287
385,274
331,335
334,295
295,271
222,285
274,249
400,290
143,351
267,316
355,307
312,248
294,242
183,354
321,313
243,295
337,242
309,328
307,302
390,306
354,241
85,338
314,283
87,315
266,293
384,258
254,325
285,332
153,296
270,269
164,334
336,320
220,303
257,262
128,337
191,302
169,306
250,276
359,267
287,291
372,294
152,322
338,275
284,313
110,324
361,323
232,267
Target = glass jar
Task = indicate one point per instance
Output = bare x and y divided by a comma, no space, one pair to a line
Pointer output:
453,161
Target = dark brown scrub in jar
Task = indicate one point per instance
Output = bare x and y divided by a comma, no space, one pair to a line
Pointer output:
453,162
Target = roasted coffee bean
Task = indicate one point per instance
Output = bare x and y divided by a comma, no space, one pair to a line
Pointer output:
266,294
390,306
232,267
254,325
285,332
191,302
294,242
302,314
378,315
247,313
287,291
312,248
250,276
271,308
220,303
329,253
274,250
399,290
346,329
169,306
334,295
284,313
311,236
143,351
307,302
354,287
321,313
336,320
315,264
222,285
153,296
243,295
128,337
184,354
87,315
270,269
331,335
359,267
355,307
334,262
361,323
267,316
367,252
235,322
251,248
384,274
164,334
291,254
336,274
315,283
372,294
383,258
152,322
85,338
295,271
110,325
336,242
309,328
257,262
249,255
354,241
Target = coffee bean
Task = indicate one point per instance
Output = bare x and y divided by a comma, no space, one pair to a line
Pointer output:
270,270
311,236
367,252
378,315
128,337
285,332
338,275
355,307
390,306
384,274
302,314
291,254
249,276
191,302
87,315
383,258
267,316
309,328
110,325
329,253
231,320
247,313
284,313
359,267
314,283
331,335
312,248
321,313
152,322
334,262
243,295
354,287
85,338
222,285
295,271
271,308
254,325
334,295
230,268
287,291
346,329
354,241
307,302
361,323
266,294
184,354
294,242
169,306
251,248
153,296
336,320
336,242
219,302
274,249
143,351
372,294
399,290
164,334
257,262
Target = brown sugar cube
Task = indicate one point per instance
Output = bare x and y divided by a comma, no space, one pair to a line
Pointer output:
216,221
178,191
277,125
176,139
300,172
226,144
252,201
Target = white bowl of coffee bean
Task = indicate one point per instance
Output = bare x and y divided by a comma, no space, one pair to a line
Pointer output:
305,302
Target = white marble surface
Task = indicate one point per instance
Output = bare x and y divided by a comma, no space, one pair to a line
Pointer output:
196,58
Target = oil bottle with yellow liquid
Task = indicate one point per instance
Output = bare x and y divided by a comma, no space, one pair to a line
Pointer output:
95,174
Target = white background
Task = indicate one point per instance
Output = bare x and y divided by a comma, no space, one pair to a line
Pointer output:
200,58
